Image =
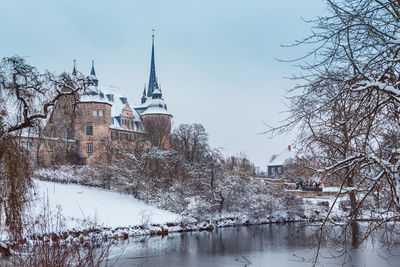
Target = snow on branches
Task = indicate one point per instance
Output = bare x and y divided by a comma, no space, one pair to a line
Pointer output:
27,96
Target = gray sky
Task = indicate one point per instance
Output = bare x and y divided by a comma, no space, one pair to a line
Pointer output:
215,60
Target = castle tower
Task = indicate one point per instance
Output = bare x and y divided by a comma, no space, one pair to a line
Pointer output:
156,118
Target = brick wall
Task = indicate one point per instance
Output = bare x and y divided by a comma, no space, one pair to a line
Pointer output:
84,118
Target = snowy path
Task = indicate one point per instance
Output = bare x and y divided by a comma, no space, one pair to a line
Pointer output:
111,209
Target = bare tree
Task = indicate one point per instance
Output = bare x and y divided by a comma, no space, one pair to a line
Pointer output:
239,165
26,101
346,102
190,141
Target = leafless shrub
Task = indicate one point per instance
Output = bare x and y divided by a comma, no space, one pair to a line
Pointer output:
48,242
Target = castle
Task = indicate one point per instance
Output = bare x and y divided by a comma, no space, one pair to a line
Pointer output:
92,125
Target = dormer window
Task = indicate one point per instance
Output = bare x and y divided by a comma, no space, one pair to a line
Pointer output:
124,100
110,97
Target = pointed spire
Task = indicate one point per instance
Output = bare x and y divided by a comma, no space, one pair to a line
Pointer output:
93,75
144,98
144,90
152,80
74,71
92,72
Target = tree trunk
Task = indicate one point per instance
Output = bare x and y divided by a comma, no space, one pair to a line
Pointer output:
353,213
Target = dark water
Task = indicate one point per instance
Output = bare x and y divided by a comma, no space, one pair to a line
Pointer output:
262,245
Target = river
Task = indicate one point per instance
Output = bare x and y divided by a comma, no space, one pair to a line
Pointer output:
259,245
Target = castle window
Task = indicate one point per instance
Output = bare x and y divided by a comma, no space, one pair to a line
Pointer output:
89,130
97,113
89,148
114,135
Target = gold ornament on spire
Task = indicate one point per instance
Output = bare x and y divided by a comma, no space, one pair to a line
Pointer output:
153,33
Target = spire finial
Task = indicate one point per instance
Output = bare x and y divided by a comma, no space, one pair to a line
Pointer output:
152,80
153,33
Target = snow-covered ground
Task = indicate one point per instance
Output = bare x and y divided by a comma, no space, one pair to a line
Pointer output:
106,208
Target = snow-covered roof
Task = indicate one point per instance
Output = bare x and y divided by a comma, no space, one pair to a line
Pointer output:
144,105
155,110
280,158
136,115
100,95
156,106
94,94
35,136
117,107
92,98
157,91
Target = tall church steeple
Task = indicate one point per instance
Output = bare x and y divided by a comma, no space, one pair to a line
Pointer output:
153,80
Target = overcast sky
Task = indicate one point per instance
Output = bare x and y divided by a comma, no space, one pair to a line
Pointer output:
215,60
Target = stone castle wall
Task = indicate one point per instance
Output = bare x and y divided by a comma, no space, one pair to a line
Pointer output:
99,132
158,129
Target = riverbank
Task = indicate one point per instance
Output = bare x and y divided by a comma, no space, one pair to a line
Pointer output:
73,197
79,214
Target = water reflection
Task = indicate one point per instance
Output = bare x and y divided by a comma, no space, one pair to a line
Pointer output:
261,245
